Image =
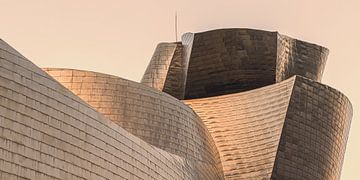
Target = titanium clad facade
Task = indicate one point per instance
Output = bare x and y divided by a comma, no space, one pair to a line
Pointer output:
315,133
223,104
246,127
230,60
299,124
226,61
295,57
166,69
157,118
47,132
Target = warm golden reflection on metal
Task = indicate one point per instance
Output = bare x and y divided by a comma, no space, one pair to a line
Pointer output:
222,104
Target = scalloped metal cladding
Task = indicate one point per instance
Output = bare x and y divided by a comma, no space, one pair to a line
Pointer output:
222,104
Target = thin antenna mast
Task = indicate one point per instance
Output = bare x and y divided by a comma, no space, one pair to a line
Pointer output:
176,38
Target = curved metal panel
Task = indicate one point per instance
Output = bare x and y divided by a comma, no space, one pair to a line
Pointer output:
295,129
295,57
246,128
47,132
155,117
167,70
253,109
230,60
313,140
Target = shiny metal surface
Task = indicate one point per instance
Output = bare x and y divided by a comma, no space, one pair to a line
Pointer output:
223,104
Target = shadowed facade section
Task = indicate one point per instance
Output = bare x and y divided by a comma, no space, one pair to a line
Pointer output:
234,60
167,70
230,60
295,57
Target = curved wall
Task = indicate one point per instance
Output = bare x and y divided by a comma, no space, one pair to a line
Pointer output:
246,128
233,60
225,61
166,70
279,128
47,132
315,133
230,60
295,129
295,57
155,117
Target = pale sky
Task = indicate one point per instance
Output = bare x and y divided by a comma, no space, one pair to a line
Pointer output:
118,37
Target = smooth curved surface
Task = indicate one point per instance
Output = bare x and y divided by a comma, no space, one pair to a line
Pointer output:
167,70
233,60
246,128
315,133
155,117
295,57
295,129
225,61
243,115
230,60
47,132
